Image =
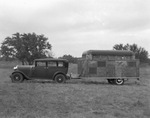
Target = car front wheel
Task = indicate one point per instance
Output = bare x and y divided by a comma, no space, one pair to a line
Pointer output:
60,78
17,78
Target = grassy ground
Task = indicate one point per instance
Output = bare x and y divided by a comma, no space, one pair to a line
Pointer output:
88,98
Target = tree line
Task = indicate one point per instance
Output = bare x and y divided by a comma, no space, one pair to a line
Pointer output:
29,46
140,52
25,47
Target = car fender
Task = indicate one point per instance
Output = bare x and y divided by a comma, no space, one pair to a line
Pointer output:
59,73
22,74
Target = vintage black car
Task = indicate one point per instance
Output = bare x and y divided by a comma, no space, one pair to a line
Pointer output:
48,68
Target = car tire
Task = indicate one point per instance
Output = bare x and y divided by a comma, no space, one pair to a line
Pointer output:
111,81
60,78
17,78
119,81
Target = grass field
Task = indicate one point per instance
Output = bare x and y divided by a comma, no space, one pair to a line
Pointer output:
85,98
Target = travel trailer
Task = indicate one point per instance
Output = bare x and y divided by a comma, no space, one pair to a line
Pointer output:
114,65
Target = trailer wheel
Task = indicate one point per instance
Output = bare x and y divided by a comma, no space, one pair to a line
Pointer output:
119,81
111,81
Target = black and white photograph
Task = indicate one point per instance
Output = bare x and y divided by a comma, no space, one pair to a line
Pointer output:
74,58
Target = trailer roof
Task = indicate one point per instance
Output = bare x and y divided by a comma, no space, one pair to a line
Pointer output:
109,52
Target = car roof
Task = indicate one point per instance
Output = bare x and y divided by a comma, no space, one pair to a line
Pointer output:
51,59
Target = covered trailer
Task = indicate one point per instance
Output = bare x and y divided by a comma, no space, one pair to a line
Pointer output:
114,65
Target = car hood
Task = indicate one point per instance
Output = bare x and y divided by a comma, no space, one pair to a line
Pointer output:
26,70
18,67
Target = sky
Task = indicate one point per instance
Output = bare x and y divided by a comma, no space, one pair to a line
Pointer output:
74,26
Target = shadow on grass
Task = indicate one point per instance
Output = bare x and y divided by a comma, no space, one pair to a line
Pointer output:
89,82
68,82
85,82
39,81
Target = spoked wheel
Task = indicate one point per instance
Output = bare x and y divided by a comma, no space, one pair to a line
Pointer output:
119,81
17,78
60,78
111,81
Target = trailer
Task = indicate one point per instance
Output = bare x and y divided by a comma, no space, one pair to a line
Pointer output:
114,65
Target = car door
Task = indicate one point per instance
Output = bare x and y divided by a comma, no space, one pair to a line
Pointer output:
52,68
40,70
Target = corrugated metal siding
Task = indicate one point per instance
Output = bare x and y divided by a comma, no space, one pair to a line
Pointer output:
101,72
93,71
131,72
120,68
108,68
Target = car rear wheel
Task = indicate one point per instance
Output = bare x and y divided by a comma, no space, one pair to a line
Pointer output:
119,81
60,78
17,78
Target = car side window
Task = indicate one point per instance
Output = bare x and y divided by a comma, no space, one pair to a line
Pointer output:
52,64
60,64
41,64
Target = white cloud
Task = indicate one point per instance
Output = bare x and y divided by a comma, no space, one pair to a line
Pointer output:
77,25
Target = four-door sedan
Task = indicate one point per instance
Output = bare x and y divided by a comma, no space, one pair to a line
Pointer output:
48,68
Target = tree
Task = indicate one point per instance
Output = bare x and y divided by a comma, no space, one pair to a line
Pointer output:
25,47
140,53
70,58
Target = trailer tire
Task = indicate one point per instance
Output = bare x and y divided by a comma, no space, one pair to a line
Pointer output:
119,81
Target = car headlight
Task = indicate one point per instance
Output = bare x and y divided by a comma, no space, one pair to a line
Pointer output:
16,67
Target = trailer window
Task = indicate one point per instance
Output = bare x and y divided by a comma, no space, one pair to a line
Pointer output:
132,64
101,63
